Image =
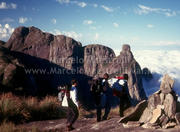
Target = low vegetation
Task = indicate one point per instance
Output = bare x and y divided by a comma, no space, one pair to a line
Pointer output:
20,109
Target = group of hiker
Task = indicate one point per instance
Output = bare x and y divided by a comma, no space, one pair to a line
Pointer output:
102,90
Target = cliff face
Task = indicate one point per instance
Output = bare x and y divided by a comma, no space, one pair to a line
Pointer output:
59,49
96,57
66,53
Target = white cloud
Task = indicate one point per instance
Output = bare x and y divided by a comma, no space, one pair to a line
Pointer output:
54,21
159,63
4,5
116,25
108,9
146,10
13,6
23,20
8,20
166,43
5,31
72,34
82,4
63,1
88,22
96,37
150,26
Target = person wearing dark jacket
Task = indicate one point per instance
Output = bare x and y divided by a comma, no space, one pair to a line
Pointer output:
124,96
108,95
97,91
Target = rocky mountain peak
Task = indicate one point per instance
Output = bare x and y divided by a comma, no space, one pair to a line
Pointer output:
126,47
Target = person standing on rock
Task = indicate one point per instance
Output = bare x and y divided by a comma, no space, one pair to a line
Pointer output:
107,90
124,94
97,92
70,100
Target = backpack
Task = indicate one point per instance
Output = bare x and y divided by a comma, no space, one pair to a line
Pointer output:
117,89
61,93
97,87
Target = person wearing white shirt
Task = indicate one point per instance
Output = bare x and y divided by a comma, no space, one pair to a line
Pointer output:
70,100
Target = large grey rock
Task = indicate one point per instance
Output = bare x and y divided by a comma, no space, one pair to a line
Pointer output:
153,101
170,106
177,117
66,52
136,113
131,124
166,84
60,49
161,109
156,115
146,116
96,57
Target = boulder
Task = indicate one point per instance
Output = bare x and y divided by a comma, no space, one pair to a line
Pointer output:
166,84
156,115
170,106
162,97
151,126
161,109
146,116
177,117
136,113
170,125
131,124
153,101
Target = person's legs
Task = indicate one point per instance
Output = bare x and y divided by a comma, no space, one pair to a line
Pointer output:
98,112
70,117
73,114
107,109
98,107
121,107
76,114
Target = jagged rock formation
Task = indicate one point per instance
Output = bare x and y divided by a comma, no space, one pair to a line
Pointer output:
68,54
96,57
125,63
161,109
59,49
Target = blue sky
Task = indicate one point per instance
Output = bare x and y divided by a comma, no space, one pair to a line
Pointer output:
144,24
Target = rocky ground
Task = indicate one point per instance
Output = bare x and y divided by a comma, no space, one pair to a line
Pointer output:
90,125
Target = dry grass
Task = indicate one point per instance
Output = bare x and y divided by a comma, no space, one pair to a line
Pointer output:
18,110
